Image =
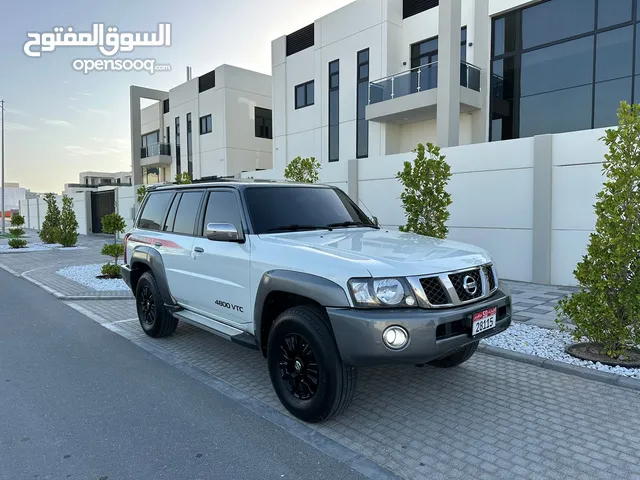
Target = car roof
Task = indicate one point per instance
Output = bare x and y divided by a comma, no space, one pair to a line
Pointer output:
239,184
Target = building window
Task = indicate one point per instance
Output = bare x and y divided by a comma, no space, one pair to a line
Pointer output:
561,66
304,94
178,170
424,54
205,124
165,106
168,138
362,126
334,111
189,147
150,144
263,123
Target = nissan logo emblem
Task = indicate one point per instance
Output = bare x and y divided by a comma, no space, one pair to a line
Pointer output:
469,285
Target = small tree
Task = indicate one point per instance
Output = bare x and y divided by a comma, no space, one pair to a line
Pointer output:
51,223
115,224
304,170
141,192
68,232
425,199
16,231
183,178
606,310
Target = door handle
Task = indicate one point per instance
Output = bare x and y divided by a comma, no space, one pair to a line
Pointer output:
158,244
198,250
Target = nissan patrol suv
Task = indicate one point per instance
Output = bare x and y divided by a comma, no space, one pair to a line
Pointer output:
300,273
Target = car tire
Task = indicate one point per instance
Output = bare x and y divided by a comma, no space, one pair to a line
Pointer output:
305,367
155,319
456,358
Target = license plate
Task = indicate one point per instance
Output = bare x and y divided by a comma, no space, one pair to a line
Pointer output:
483,321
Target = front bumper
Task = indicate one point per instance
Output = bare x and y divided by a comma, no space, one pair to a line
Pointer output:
433,334
125,271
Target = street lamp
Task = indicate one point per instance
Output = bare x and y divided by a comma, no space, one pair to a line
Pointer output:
2,108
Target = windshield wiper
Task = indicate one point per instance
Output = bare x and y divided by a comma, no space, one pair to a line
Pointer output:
351,224
296,227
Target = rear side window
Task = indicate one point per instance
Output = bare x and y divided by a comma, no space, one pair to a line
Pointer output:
222,207
171,217
187,212
152,216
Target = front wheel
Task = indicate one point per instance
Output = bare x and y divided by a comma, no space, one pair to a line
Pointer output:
155,319
305,367
456,358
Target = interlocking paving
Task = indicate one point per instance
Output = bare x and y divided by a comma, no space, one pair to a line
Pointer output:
490,418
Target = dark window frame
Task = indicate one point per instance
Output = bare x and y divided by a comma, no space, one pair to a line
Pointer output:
334,90
189,146
519,51
208,124
203,210
163,218
359,108
194,233
263,122
177,136
306,94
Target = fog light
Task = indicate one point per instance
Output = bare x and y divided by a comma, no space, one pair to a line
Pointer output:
395,337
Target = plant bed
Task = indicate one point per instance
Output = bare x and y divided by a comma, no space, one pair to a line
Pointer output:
592,352
87,275
107,277
550,344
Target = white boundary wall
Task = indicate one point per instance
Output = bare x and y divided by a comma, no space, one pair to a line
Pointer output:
499,200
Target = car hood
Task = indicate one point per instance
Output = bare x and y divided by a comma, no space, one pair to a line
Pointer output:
386,252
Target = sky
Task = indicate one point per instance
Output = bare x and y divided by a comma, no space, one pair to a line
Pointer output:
60,122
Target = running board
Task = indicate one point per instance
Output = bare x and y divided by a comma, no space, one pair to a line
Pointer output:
223,330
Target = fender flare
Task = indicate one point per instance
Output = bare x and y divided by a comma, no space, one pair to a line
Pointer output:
321,290
151,258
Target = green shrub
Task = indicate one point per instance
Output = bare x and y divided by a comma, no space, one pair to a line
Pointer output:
183,178
51,223
425,199
110,269
304,170
141,192
17,243
115,224
606,310
68,231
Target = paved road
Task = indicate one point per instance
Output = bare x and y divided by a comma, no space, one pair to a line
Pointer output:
78,401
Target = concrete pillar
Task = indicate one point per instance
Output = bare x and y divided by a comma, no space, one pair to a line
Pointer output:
542,205
448,121
479,54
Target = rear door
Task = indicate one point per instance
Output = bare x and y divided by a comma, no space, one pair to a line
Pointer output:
222,290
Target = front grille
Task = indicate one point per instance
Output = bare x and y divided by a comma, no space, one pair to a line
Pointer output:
458,281
492,278
435,291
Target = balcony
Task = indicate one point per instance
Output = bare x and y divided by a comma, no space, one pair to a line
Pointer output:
411,96
156,155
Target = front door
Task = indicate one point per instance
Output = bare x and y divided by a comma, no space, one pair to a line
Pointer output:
102,204
223,290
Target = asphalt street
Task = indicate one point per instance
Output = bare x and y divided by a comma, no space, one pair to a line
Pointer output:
78,401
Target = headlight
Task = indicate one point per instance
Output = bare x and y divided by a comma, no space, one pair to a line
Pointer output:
385,292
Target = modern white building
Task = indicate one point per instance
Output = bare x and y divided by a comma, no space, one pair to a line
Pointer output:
376,77
218,124
93,180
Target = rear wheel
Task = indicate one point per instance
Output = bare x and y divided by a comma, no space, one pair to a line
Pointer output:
456,358
305,367
154,318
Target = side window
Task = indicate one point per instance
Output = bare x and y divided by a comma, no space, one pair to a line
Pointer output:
152,216
168,225
222,207
187,212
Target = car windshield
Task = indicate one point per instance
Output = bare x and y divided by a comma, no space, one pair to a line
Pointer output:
293,208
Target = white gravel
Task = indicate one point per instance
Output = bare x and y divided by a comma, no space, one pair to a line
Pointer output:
38,247
86,275
550,344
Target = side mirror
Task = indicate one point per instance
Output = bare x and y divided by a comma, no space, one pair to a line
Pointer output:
223,232
375,221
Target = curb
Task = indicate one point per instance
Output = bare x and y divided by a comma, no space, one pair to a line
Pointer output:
575,370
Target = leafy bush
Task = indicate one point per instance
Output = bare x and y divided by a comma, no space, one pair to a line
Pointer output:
17,243
68,231
183,178
424,198
51,223
606,310
115,224
17,221
111,269
304,170
141,192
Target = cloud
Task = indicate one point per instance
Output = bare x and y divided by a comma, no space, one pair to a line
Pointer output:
84,151
56,123
15,127
86,94
98,111
73,98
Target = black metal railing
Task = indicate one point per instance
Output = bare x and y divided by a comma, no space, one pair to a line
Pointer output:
155,149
